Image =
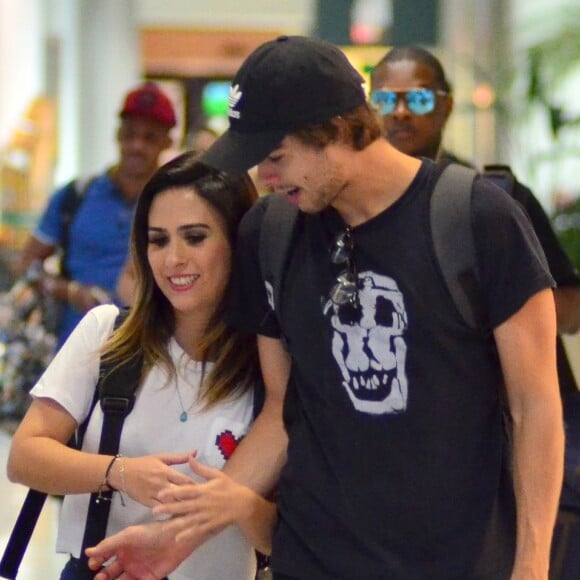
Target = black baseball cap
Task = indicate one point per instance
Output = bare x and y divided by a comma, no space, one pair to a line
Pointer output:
284,85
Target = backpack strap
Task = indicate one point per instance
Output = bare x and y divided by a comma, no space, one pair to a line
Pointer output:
454,245
73,198
117,398
450,217
276,235
502,176
114,386
21,533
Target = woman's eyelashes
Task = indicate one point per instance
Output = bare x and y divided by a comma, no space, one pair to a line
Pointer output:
193,238
157,239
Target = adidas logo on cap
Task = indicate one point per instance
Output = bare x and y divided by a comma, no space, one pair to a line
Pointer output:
233,100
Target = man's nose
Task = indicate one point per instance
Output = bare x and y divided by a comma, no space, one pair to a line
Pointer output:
401,109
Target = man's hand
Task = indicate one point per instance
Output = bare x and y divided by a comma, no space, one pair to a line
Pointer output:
202,510
143,552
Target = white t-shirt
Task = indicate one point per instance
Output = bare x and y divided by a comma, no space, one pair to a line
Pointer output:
153,426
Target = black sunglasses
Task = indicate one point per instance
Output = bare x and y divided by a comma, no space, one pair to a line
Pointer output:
345,290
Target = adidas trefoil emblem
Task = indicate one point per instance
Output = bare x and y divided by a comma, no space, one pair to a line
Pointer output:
233,100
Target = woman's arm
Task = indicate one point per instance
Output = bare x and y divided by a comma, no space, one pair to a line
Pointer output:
40,458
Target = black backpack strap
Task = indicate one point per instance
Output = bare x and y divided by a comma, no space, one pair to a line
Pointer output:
117,397
72,200
502,176
21,533
276,236
450,216
109,383
454,244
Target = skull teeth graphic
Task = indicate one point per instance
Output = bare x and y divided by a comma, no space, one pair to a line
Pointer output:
370,349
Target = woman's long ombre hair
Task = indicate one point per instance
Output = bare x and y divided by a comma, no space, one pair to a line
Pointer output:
151,322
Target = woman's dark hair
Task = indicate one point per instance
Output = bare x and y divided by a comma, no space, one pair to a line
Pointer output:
418,55
151,321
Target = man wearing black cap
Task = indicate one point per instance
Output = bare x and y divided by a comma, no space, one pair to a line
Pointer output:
392,414
96,238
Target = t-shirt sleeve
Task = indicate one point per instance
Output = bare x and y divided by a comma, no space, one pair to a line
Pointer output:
510,260
72,375
249,310
49,228
561,267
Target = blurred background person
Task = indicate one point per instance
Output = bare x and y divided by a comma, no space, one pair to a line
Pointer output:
88,221
411,91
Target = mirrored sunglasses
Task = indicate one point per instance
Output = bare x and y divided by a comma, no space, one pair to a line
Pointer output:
345,289
419,101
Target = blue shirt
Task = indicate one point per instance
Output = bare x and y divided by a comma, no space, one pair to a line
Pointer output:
98,239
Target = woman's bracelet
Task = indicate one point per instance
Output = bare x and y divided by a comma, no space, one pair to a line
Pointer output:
106,485
108,472
123,489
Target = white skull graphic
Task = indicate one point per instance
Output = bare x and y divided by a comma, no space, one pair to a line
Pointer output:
369,346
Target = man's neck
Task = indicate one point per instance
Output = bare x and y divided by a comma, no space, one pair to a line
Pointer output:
130,187
380,177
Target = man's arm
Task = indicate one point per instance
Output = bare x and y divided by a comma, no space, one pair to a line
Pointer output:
259,458
33,251
526,346
568,309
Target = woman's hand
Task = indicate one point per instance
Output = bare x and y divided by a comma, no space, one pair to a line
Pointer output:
143,478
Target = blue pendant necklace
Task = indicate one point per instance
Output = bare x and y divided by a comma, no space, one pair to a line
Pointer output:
183,416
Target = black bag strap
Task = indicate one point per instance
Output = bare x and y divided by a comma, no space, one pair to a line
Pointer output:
454,245
276,234
73,198
117,398
501,175
21,533
450,220
117,387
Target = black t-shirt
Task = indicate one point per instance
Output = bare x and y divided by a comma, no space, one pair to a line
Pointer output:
393,416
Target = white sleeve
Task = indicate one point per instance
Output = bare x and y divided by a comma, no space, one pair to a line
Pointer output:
71,377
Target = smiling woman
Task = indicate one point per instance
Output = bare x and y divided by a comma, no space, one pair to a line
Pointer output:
190,256
195,400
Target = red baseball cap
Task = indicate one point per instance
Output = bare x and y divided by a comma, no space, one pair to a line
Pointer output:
149,101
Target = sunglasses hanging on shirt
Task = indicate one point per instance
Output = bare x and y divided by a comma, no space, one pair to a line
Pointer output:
345,289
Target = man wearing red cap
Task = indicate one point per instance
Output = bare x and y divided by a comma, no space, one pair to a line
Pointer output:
96,236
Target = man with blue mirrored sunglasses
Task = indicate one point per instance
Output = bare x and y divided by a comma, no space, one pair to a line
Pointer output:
415,101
